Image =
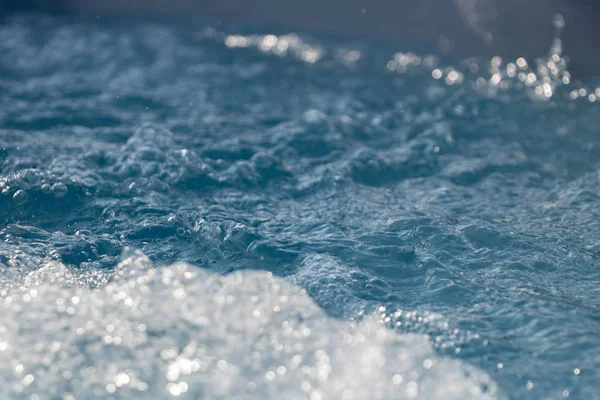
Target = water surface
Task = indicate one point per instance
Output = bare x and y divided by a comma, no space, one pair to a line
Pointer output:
388,195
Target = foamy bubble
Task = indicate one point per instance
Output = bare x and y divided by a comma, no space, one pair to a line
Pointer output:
184,332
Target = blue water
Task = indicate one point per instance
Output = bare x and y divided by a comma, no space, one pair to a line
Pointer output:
430,228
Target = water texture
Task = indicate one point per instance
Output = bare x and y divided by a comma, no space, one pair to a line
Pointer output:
314,219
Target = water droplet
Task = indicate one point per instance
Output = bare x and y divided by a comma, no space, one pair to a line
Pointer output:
559,21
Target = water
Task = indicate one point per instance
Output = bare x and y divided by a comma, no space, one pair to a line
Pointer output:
430,229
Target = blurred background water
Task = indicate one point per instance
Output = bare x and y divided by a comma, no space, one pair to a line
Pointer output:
406,194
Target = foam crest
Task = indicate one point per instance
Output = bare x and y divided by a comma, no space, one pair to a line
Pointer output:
181,331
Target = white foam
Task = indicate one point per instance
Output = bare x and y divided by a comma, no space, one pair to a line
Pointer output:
181,331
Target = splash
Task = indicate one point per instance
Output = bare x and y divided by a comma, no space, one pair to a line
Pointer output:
540,77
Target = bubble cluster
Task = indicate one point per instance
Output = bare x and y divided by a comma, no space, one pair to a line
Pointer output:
243,335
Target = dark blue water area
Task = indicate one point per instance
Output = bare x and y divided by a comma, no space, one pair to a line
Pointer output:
449,201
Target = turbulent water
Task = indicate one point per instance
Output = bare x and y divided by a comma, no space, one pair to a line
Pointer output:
199,211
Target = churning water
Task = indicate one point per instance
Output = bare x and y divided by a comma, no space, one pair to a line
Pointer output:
205,212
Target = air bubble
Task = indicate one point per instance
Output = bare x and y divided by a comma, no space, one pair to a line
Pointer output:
20,197
59,189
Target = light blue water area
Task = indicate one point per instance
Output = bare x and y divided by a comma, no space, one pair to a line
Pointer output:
389,196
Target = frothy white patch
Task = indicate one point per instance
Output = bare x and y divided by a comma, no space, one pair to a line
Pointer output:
181,331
